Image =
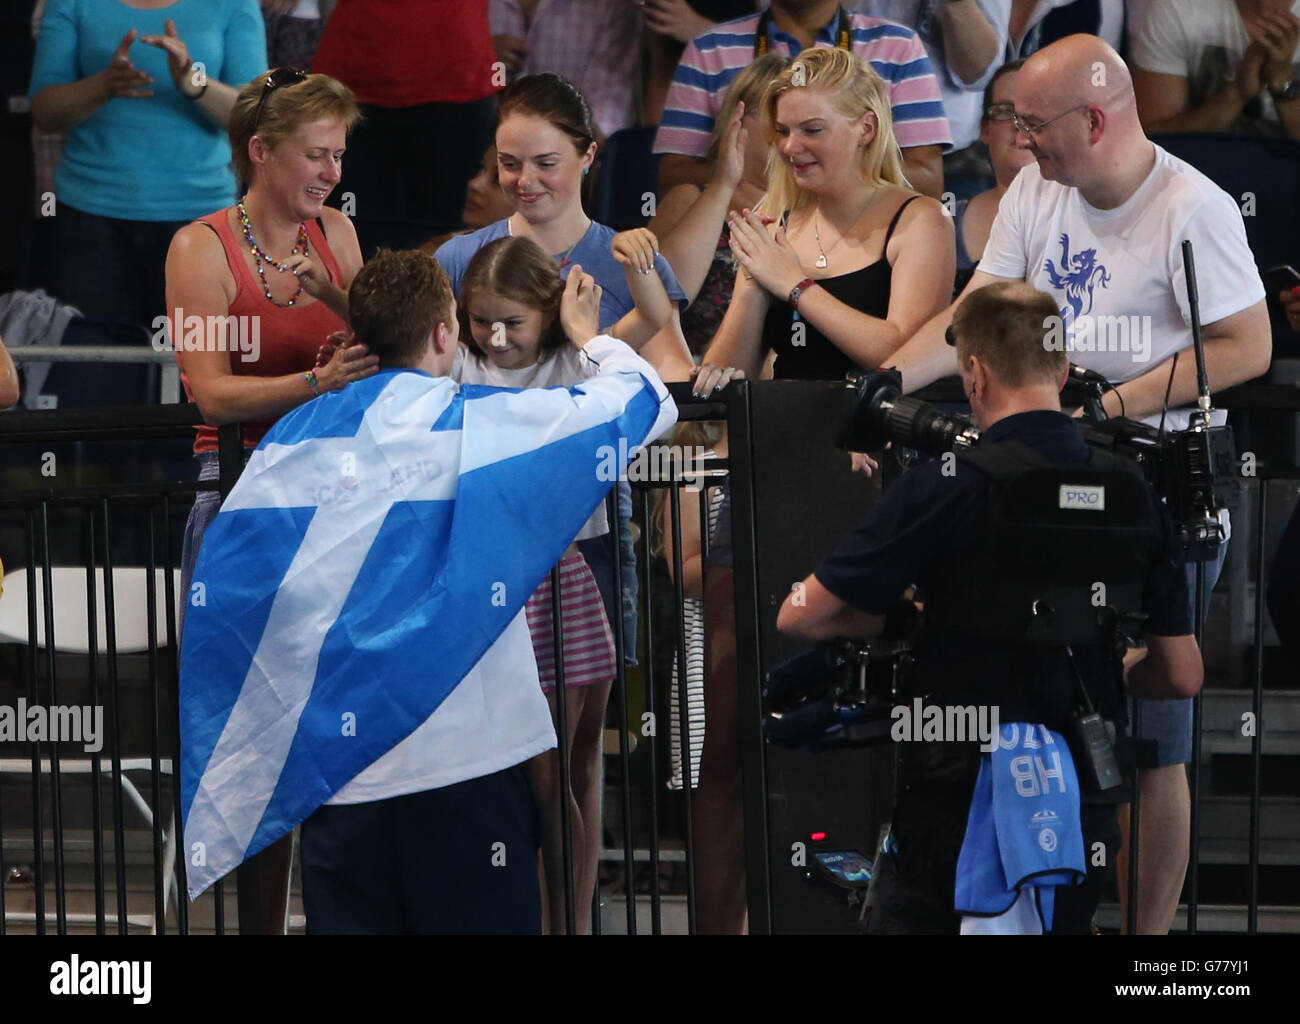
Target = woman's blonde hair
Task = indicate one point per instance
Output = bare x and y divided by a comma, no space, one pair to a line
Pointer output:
287,108
747,87
854,88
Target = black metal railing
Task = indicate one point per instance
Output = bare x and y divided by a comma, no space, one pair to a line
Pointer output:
93,525
89,512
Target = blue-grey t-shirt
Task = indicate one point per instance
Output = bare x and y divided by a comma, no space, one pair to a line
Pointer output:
592,252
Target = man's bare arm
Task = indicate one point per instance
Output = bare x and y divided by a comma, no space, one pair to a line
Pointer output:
1171,670
812,612
1238,348
926,355
1164,105
970,41
923,166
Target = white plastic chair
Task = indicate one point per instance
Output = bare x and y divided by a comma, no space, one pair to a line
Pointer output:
71,635
72,613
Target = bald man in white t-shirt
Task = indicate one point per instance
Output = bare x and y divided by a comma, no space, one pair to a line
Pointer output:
1098,222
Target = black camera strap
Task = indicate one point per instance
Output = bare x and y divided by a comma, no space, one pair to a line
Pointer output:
843,32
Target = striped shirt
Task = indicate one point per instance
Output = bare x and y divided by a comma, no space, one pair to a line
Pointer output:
713,59
693,638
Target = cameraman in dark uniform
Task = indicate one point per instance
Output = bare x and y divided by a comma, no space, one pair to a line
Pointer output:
931,529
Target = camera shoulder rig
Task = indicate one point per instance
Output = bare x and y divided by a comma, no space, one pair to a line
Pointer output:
1065,555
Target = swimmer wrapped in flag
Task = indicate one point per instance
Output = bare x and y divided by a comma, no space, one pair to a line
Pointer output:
380,542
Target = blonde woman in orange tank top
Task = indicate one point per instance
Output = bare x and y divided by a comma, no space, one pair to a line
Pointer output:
253,292
279,261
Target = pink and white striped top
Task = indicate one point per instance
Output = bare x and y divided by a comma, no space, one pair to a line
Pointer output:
713,59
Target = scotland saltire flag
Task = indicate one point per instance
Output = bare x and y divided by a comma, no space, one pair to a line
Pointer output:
379,541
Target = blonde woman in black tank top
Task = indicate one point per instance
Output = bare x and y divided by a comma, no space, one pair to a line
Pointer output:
867,259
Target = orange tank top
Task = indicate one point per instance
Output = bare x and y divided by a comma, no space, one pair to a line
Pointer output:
282,340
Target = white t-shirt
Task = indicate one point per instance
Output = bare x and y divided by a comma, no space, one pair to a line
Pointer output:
1110,25
1202,41
562,368
1118,274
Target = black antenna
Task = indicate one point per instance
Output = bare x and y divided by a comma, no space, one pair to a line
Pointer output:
1198,339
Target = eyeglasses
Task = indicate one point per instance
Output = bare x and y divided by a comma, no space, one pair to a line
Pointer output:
1034,129
1000,112
277,79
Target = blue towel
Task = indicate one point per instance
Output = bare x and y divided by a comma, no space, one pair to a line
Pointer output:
1023,835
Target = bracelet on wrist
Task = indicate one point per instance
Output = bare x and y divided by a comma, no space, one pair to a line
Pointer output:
310,378
798,290
202,89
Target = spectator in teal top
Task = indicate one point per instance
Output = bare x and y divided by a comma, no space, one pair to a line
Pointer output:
143,90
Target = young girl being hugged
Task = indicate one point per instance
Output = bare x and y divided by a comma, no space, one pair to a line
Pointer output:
515,334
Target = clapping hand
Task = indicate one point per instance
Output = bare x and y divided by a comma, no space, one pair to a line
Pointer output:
1249,79
731,153
178,60
766,258
1276,33
121,77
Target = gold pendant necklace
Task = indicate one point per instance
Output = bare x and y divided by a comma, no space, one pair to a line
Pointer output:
822,262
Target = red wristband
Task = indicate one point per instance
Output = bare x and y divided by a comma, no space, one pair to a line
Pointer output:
799,289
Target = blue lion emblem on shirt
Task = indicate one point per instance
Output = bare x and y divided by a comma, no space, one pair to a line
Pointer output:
1078,275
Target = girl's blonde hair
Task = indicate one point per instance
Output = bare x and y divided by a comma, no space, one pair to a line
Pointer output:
854,89
519,269
747,87
286,109
689,434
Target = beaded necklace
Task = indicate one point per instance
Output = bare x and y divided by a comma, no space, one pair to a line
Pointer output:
260,256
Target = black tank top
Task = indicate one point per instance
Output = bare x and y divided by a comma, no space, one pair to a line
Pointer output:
818,358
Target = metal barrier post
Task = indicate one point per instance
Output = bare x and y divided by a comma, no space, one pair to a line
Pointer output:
38,832
656,902
96,773
748,656
1257,708
110,637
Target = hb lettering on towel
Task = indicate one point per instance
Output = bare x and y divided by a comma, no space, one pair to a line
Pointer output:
1023,835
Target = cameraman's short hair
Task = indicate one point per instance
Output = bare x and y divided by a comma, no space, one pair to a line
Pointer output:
1010,326
395,302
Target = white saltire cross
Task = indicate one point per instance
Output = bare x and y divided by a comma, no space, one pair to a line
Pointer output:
353,483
